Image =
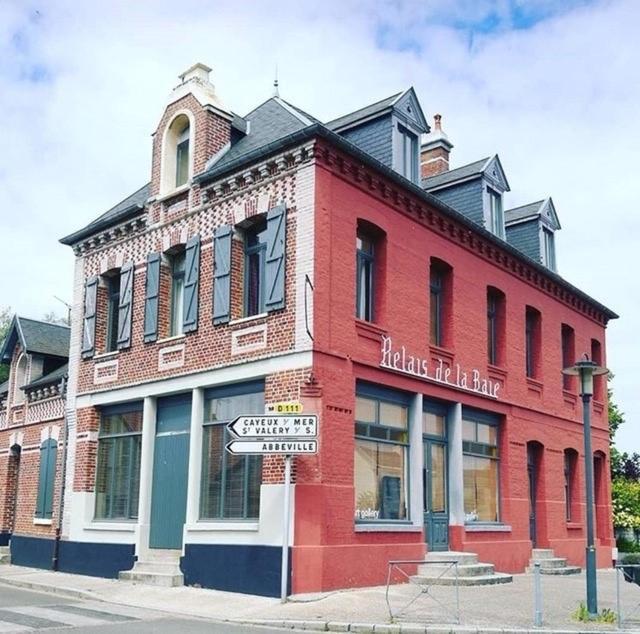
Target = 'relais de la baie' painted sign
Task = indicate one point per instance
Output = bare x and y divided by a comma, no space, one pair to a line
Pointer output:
400,360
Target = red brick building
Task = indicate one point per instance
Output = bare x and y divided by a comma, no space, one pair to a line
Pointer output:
343,265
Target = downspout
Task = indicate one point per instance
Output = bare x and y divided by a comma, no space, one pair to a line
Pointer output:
55,561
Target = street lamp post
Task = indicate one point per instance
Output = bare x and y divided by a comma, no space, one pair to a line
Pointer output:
586,370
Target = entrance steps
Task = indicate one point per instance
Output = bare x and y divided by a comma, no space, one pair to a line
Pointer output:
550,564
5,555
157,567
439,571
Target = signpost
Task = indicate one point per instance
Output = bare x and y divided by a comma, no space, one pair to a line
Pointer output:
287,433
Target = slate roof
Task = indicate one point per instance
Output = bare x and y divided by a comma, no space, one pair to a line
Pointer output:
270,121
368,111
53,377
522,212
457,174
130,206
36,336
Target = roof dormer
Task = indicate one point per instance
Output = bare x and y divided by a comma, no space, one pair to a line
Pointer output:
531,229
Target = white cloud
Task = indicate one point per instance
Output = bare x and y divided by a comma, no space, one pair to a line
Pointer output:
557,100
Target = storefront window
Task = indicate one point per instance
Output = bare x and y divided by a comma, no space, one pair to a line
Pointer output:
481,466
118,469
380,474
230,484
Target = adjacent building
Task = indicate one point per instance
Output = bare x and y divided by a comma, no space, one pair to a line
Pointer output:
344,266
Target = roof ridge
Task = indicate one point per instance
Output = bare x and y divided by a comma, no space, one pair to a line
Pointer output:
369,105
535,202
292,110
43,321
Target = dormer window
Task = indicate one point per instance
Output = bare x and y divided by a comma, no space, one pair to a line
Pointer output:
496,214
182,157
176,154
548,249
408,154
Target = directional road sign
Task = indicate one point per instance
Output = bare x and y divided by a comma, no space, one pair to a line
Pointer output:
262,447
275,426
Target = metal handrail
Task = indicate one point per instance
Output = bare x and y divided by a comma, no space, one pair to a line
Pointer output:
618,568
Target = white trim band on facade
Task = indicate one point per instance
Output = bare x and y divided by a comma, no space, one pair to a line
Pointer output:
221,526
119,527
487,528
388,528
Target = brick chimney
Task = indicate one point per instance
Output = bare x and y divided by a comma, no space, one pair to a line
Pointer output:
434,154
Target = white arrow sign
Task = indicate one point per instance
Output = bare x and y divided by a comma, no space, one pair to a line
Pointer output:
244,447
275,426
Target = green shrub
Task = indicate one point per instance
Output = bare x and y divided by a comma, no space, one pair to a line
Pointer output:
627,545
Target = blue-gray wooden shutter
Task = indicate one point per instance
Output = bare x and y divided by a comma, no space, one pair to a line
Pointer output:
152,290
46,478
276,258
191,284
89,322
125,307
222,274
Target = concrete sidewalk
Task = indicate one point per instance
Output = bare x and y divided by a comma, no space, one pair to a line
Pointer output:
501,608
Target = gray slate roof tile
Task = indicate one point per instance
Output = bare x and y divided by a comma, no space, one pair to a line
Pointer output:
457,174
53,377
363,113
524,211
42,337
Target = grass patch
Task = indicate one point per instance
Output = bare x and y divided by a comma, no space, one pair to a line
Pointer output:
582,614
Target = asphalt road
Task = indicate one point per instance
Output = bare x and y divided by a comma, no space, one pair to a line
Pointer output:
27,611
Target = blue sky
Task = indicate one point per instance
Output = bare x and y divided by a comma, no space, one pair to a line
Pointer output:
547,85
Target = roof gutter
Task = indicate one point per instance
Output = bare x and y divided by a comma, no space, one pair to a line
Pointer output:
125,214
321,131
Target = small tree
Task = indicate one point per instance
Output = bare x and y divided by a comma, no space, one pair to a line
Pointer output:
5,322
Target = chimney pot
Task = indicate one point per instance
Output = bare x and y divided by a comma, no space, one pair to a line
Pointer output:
198,71
434,155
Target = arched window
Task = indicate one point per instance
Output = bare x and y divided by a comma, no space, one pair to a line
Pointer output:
21,379
176,155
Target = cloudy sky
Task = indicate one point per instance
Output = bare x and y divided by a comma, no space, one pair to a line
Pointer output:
550,85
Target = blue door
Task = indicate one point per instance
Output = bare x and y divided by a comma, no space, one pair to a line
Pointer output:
170,472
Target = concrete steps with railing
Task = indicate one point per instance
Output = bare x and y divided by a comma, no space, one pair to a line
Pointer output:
441,571
157,567
550,564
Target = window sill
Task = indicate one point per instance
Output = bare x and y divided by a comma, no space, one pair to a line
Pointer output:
244,320
376,527
128,527
171,339
369,329
496,370
570,397
223,526
439,351
174,192
574,526
535,386
106,355
487,528
39,521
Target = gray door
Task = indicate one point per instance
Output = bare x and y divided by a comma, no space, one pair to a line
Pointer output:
170,472
436,514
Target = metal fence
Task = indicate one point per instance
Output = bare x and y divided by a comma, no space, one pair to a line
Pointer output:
627,573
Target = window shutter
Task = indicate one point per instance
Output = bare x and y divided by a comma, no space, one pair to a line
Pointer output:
275,259
152,290
126,305
89,325
51,477
191,275
222,274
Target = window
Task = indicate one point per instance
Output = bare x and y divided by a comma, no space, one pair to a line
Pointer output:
481,466
230,484
495,326
182,157
113,309
255,250
364,275
496,214
532,341
176,320
408,154
568,355
548,249
46,478
439,287
21,379
381,443
570,496
118,469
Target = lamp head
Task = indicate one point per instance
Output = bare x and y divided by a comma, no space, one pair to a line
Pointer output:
586,370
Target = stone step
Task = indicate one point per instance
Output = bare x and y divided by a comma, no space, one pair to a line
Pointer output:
157,566
542,553
167,580
464,570
483,580
162,555
552,562
565,570
451,555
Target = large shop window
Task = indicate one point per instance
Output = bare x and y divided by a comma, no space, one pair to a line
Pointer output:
118,470
381,443
230,484
46,478
481,467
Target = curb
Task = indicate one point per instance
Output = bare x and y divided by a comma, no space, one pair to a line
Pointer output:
67,593
403,628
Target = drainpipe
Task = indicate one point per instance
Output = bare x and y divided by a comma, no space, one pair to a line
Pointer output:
55,561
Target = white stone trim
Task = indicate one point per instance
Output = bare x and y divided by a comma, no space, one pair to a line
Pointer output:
40,521
236,335
207,526
105,365
387,528
118,527
168,365
166,191
244,320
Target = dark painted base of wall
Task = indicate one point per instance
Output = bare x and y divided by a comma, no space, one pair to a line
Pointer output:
4,539
247,569
95,559
34,552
